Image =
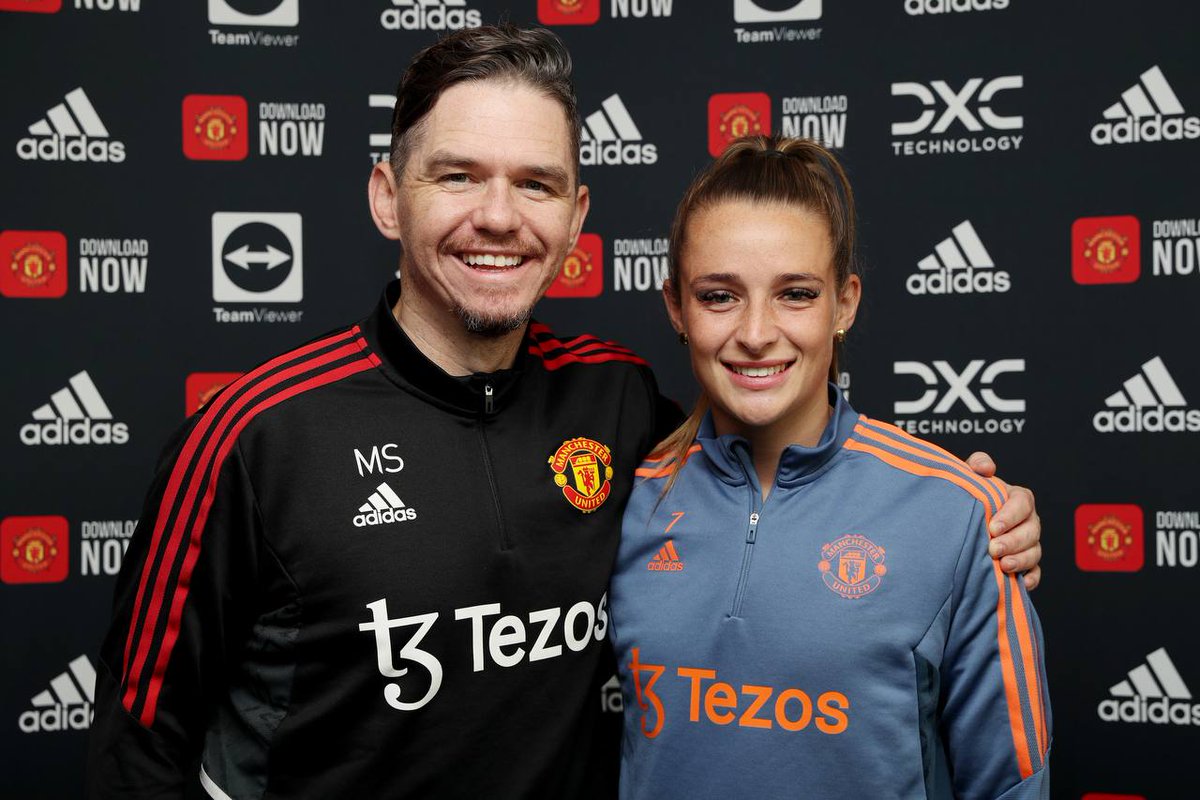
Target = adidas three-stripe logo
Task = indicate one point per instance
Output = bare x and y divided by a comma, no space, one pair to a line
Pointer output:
71,131
1141,389
666,559
382,507
1148,111
1151,96
1149,401
610,136
962,250
1153,692
76,414
66,705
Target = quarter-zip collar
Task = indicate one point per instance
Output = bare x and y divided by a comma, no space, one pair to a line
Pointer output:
408,367
731,457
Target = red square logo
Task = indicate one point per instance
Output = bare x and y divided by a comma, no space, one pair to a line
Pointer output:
201,387
34,264
568,12
215,127
1106,250
735,114
1109,537
35,549
582,273
36,6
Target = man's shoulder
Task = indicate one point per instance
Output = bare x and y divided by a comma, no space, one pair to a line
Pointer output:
555,352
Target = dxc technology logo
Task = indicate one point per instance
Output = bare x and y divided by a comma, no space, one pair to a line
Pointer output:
970,106
946,387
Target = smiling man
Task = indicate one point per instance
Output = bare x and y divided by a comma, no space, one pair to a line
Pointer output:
376,566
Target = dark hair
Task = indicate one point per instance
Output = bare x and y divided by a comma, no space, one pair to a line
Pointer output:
532,56
772,170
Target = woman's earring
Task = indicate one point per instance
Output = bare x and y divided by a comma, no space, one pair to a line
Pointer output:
839,336
683,337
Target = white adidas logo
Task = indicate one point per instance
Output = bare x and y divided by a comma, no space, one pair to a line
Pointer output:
67,704
610,136
382,507
1148,111
76,414
430,15
951,267
1149,401
1153,692
71,131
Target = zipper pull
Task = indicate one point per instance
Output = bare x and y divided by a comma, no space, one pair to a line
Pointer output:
753,532
488,404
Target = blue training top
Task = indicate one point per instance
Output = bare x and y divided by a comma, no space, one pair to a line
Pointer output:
849,636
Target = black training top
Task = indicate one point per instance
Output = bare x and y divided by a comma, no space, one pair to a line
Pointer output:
358,576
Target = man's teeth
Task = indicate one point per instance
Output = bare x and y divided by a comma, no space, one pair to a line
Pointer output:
758,372
489,260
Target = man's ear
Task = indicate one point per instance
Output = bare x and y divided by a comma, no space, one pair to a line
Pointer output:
381,196
583,201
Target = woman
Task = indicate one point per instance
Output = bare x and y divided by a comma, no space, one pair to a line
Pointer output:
803,602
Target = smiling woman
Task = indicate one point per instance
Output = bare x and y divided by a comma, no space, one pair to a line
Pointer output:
803,596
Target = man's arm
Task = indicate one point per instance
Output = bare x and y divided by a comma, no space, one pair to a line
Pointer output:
181,603
1016,530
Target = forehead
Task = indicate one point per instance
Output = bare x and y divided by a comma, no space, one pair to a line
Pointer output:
498,121
757,239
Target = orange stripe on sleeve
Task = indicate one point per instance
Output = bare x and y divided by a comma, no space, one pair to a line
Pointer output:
899,462
1015,721
944,458
1033,680
665,470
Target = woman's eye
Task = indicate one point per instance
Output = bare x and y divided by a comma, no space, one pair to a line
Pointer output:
715,297
801,294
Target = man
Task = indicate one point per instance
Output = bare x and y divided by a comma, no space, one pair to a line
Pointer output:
376,566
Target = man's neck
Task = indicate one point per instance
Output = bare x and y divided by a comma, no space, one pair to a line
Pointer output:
444,341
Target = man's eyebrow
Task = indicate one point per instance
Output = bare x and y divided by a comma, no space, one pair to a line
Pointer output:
442,159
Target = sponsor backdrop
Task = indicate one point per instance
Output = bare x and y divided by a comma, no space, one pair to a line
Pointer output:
186,196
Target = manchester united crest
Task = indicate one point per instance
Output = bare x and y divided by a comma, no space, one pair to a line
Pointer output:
1106,250
852,566
583,470
216,128
33,264
1109,536
35,550
740,120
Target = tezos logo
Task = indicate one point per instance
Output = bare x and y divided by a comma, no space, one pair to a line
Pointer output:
33,264
1106,250
939,402
71,131
611,137
34,549
430,15
1109,537
958,108
959,264
1153,692
257,257
1148,402
582,273
76,414
67,704
1148,111
918,7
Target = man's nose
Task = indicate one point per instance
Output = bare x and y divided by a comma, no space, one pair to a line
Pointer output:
497,210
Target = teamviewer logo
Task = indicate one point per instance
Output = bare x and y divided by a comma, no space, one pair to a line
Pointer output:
257,257
285,14
751,11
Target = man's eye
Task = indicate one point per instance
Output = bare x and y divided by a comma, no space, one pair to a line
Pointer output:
456,177
536,186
